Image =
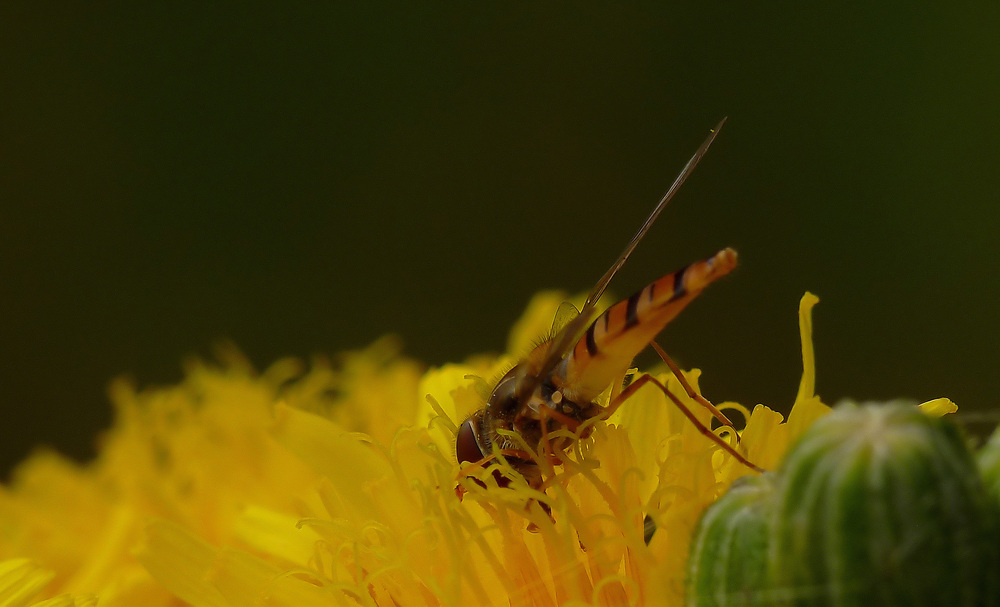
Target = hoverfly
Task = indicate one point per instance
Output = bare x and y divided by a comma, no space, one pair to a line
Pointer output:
556,385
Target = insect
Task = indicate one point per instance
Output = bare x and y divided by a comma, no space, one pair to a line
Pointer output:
556,385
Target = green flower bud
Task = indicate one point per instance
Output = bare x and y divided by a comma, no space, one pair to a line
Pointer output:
988,459
882,505
727,565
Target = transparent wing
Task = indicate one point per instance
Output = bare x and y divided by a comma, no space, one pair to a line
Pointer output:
564,315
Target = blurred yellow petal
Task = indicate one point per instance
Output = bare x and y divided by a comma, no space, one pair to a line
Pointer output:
450,396
535,323
939,407
67,600
22,580
181,562
276,533
338,455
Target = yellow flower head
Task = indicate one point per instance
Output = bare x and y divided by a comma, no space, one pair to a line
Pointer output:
340,486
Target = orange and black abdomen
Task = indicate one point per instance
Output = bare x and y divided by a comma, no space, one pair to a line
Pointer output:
609,344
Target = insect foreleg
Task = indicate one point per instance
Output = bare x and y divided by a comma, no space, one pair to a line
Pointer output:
545,448
468,469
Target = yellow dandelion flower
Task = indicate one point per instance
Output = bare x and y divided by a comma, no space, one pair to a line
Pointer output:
339,485
385,525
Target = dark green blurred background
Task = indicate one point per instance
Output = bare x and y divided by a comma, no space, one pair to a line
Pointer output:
307,178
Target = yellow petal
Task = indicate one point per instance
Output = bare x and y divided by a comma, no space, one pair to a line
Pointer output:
68,600
181,562
276,533
807,386
347,462
939,407
765,439
22,580
205,576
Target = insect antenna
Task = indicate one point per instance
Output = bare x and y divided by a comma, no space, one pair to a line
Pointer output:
602,284
569,334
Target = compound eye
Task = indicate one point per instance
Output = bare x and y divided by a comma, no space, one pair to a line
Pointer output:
466,446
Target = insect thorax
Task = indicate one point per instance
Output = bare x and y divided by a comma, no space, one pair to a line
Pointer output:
509,409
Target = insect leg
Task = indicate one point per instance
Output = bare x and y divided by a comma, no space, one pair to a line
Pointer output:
545,448
698,398
702,428
570,423
468,469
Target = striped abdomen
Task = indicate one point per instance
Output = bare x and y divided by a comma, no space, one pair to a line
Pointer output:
609,344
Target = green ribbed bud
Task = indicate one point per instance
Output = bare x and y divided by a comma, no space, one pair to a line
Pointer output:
882,505
988,459
727,565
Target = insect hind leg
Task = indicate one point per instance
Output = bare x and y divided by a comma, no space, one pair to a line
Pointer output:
702,428
691,392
